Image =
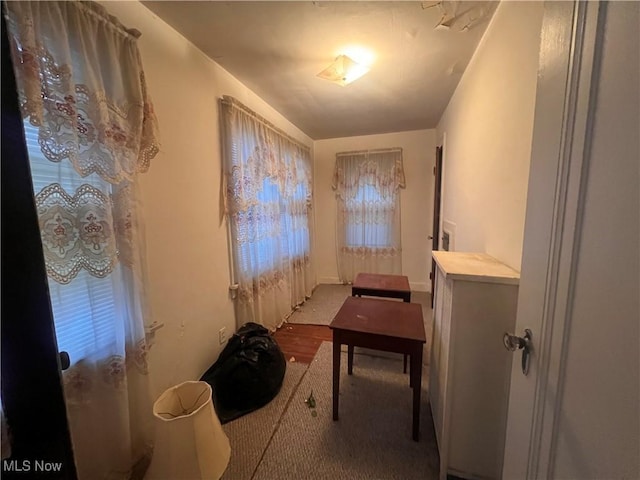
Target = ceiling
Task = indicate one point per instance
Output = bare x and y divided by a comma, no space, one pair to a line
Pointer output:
277,48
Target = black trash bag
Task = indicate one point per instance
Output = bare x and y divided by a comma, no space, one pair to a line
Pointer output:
248,373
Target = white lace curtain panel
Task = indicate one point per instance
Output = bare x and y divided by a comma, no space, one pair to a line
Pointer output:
91,129
367,187
267,191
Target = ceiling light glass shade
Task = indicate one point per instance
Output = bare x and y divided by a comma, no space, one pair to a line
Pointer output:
343,71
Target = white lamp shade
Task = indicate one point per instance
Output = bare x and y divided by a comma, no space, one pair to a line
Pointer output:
190,442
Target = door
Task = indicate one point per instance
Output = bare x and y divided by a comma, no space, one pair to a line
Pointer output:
32,393
576,414
437,195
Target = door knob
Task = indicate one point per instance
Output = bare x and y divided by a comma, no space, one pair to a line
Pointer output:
65,361
513,343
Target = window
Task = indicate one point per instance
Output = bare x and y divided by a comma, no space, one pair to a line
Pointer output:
83,310
276,225
80,80
367,187
362,228
267,181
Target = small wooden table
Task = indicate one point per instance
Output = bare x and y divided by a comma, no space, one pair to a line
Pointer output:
380,325
381,285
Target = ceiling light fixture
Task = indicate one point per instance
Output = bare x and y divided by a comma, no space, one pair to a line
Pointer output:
343,71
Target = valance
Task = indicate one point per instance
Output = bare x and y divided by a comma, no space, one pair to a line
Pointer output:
82,84
382,169
255,150
229,100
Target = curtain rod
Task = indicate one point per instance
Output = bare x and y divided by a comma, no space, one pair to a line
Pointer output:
378,150
229,100
103,14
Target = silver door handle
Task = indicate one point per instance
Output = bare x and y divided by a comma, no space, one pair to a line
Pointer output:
513,342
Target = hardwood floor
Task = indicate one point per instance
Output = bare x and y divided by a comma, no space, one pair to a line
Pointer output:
301,341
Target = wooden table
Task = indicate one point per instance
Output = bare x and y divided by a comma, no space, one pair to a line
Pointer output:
381,285
380,325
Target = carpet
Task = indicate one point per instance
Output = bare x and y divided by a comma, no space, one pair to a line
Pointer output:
249,435
323,305
372,439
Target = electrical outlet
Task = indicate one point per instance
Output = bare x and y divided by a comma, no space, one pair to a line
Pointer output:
222,335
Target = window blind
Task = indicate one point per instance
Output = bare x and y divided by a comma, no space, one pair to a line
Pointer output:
84,309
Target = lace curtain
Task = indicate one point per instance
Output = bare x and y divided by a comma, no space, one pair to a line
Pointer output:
367,187
90,130
267,195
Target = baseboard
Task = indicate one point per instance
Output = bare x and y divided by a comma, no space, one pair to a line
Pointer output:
332,280
420,286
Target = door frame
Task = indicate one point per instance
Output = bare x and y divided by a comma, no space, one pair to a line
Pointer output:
437,214
571,42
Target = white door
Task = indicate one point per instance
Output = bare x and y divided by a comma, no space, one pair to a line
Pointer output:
576,415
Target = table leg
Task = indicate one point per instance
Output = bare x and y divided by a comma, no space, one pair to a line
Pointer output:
406,299
416,375
336,375
350,359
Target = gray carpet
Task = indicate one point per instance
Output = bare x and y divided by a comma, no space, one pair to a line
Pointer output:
323,305
250,434
372,439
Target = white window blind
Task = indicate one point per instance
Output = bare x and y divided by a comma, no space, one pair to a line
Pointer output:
84,309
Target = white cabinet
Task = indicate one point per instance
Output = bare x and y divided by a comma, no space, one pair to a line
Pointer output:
475,304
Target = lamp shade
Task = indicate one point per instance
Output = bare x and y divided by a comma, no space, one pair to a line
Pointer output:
190,442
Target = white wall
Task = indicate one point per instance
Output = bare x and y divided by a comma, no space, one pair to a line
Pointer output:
416,201
487,128
187,252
